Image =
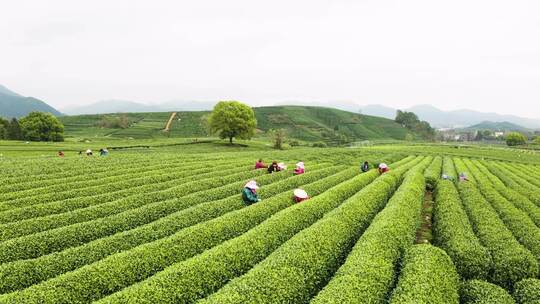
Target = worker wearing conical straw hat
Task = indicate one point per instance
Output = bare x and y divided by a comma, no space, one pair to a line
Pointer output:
249,193
300,195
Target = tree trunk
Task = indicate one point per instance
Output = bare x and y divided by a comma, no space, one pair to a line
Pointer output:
230,140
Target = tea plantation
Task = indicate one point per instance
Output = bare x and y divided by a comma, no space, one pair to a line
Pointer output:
169,226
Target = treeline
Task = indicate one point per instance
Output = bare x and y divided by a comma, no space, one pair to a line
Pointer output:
10,129
410,121
36,126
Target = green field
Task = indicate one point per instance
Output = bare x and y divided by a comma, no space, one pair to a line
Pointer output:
162,221
302,123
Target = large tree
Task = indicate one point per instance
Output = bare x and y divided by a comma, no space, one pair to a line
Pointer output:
410,121
39,126
406,119
515,139
232,119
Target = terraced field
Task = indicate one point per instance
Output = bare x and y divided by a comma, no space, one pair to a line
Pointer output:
171,228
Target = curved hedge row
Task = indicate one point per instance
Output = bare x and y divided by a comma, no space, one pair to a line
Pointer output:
300,267
448,168
52,170
369,270
525,173
23,273
517,221
107,208
433,172
511,261
35,245
462,168
454,234
103,177
428,276
118,271
103,186
50,208
482,292
519,200
527,291
514,182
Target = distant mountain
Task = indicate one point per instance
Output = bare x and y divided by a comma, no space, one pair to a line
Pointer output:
126,106
15,105
498,126
188,105
455,119
6,91
112,106
379,110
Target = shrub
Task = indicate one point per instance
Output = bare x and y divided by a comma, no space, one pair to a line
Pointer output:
108,208
433,267
454,234
35,245
519,200
448,168
433,173
303,264
294,143
511,261
517,221
319,144
527,291
369,271
482,292
121,270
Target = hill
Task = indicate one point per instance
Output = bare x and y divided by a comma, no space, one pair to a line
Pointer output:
498,126
451,119
6,91
303,123
15,105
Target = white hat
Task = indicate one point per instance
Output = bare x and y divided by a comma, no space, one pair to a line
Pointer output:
300,193
282,166
383,165
252,185
300,165
88,151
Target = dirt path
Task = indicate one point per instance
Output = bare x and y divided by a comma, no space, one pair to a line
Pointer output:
424,233
169,122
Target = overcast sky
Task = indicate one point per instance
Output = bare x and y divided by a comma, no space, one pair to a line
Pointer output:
482,55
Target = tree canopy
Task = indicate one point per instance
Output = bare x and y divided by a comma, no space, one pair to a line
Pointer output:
10,129
410,121
515,139
4,124
278,136
39,126
14,130
232,119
